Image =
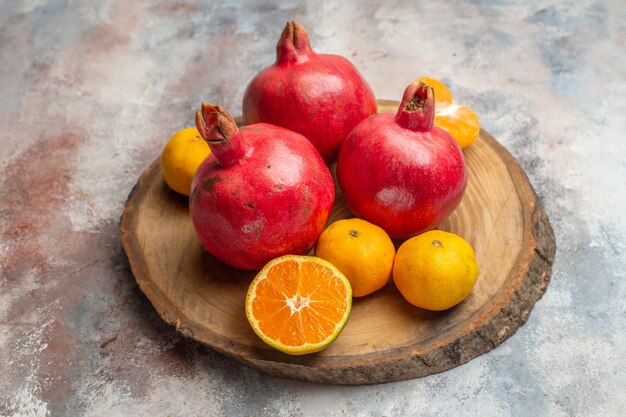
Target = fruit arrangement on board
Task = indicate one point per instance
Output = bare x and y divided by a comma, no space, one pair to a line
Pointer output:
260,195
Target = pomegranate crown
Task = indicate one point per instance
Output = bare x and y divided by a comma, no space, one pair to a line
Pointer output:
215,124
417,109
294,45
218,128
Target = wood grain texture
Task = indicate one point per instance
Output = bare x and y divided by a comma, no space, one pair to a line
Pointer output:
386,339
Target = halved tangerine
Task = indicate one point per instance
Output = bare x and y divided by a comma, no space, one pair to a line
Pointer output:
299,304
460,122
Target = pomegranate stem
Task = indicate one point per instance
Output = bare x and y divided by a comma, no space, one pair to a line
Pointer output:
218,128
293,46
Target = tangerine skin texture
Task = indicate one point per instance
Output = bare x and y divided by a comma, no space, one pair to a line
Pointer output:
273,200
404,181
435,270
321,96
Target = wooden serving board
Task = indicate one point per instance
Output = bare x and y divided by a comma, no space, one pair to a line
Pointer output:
386,338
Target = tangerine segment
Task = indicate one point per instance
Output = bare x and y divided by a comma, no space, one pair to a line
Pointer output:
443,95
460,122
299,304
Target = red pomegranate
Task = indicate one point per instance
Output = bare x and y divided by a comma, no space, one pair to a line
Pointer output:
263,192
401,172
318,95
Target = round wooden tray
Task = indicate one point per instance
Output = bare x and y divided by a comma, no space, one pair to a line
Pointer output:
385,339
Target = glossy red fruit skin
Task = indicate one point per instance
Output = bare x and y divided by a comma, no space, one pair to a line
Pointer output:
400,172
263,193
321,96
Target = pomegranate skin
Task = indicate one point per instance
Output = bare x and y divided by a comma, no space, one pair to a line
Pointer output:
401,172
321,96
263,192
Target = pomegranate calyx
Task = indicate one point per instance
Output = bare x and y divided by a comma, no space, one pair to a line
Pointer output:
293,46
215,124
218,128
417,109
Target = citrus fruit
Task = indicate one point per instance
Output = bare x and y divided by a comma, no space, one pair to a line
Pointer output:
299,304
460,122
435,270
181,157
361,250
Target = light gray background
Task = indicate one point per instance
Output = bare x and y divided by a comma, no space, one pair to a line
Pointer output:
91,91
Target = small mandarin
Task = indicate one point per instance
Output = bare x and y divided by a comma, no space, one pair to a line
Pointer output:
361,250
435,270
181,157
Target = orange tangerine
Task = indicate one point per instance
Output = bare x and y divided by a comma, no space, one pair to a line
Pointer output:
361,250
181,157
435,270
